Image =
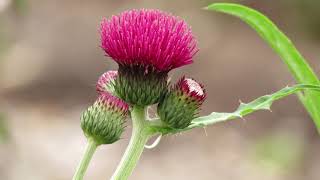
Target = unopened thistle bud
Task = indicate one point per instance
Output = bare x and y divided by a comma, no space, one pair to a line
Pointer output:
182,103
146,44
104,121
106,82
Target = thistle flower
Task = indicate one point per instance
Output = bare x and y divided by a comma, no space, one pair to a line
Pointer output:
182,104
105,82
146,44
148,38
104,120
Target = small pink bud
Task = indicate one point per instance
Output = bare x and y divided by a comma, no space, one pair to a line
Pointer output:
192,89
104,83
114,103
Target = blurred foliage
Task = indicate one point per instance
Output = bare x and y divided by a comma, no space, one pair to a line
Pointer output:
20,6
4,133
3,40
278,152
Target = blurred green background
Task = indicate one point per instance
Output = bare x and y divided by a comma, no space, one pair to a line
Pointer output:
50,60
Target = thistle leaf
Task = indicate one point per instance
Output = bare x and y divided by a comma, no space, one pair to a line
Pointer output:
297,65
261,103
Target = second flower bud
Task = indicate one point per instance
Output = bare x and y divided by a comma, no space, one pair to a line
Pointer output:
182,103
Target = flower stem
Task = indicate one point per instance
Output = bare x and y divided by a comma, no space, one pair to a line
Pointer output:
140,135
83,165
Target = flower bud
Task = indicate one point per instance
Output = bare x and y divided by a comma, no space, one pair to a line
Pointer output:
104,121
182,103
105,82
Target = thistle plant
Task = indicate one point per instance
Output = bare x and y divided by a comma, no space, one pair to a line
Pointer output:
102,123
147,45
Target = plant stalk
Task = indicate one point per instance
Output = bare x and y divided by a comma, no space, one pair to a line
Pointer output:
140,135
83,165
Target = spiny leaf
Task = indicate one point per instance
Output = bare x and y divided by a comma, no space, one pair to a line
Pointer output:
261,103
297,65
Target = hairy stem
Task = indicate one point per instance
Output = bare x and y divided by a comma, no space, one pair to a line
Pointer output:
83,165
140,135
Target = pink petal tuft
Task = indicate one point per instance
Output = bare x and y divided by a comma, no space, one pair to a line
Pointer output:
192,89
105,79
148,38
113,102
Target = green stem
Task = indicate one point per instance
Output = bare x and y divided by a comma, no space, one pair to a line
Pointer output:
83,165
140,135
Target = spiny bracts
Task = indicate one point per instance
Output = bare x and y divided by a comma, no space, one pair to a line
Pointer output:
104,121
182,103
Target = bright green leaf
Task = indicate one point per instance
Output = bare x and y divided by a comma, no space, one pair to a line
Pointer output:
297,65
262,103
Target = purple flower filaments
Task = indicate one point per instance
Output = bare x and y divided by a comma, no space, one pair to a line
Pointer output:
148,38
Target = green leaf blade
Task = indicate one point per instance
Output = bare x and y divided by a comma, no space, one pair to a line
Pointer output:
278,41
261,103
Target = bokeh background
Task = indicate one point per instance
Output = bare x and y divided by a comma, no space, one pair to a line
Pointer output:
50,60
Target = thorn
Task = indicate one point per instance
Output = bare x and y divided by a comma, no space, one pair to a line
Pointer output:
205,131
205,8
243,119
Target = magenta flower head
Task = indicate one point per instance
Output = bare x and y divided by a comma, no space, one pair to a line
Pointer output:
149,38
146,44
105,82
182,103
104,121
